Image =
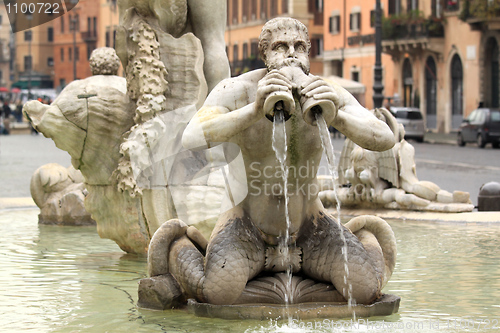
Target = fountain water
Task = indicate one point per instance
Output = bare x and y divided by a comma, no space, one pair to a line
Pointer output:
330,154
279,144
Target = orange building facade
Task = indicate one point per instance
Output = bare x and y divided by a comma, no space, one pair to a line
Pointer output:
34,57
439,56
245,19
75,39
349,40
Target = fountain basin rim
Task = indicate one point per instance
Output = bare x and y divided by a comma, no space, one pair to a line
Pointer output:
386,305
476,218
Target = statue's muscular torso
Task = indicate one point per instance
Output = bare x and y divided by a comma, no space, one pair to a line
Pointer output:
265,204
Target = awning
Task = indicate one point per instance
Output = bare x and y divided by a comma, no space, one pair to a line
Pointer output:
351,86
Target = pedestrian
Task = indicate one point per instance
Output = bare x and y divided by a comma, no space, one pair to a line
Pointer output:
6,111
18,113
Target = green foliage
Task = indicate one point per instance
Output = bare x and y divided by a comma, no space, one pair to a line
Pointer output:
480,9
398,26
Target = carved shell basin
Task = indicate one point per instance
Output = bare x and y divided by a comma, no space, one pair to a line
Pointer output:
263,300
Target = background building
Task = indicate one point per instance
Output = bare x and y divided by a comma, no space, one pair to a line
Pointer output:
108,23
245,19
349,41
34,54
441,56
76,38
431,49
6,39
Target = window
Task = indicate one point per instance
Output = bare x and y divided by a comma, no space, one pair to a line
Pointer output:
62,54
334,24
62,83
316,47
373,17
253,9
245,11
70,54
284,6
107,39
95,25
263,9
452,5
28,63
254,49
411,5
355,74
394,7
274,8
235,52
50,34
62,24
355,22
319,5
50,62
77,53
235,12
245,51
28,35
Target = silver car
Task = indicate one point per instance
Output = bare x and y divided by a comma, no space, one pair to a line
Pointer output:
412,120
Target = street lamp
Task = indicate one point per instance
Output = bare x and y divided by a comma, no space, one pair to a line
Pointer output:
378,86
73,24
29,17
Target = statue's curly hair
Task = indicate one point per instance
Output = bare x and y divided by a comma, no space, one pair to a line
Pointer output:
279,23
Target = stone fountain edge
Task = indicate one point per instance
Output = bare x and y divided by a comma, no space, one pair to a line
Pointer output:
386,305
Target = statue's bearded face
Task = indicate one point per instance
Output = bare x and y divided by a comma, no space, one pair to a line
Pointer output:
288,47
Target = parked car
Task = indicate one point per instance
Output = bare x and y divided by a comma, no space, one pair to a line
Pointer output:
481,126
412,120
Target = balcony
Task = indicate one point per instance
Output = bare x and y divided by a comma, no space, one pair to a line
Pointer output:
89,36
242,66
399,36
481,14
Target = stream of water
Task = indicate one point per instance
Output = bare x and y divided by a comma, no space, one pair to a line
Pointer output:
279,145
330,155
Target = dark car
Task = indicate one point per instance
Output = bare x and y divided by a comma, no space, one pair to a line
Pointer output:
412,121
481,126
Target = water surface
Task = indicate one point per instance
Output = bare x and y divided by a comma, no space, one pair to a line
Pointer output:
67,279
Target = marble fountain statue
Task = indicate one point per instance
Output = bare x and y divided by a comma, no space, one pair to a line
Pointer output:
148,143
277,247
176,145
388,179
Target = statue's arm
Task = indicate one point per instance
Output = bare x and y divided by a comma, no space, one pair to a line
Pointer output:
359,124
208,20
226,112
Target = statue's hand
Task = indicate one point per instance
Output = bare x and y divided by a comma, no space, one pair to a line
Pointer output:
272,88
318,96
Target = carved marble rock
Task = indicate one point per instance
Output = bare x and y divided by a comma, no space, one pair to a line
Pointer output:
88,120
388,179
124,134
60,192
